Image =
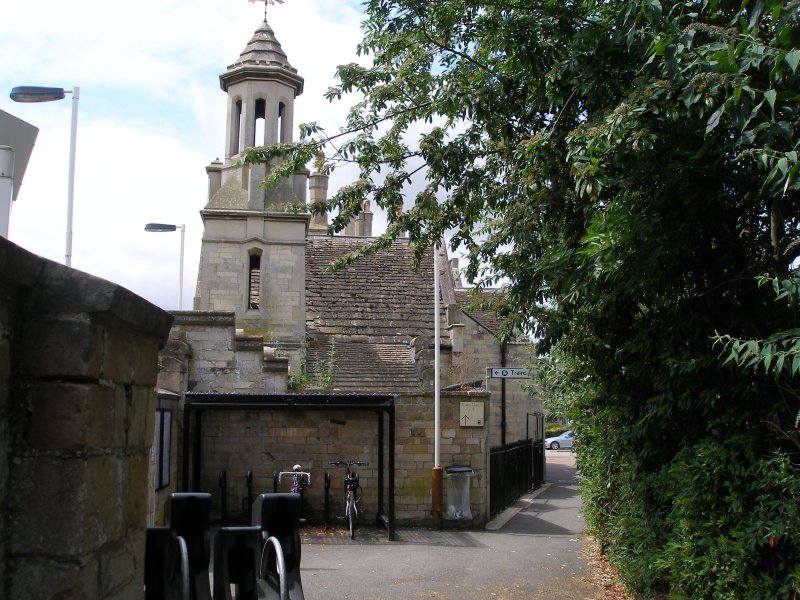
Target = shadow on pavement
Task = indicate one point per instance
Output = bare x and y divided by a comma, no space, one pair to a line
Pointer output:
526,523
531,552
559,492
555,510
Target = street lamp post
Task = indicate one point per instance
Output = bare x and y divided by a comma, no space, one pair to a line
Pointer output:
165,227
29,93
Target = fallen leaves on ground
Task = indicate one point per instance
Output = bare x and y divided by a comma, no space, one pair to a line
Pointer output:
601,573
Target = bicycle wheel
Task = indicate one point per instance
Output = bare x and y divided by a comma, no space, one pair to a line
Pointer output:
350,509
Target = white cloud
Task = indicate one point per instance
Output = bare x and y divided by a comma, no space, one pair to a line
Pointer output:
152,116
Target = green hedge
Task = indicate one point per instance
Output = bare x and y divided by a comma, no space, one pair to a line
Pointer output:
721,520
554,429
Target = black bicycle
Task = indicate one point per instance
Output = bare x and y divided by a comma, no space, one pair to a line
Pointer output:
351,488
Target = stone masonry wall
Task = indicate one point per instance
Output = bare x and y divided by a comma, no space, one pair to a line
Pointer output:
222,264
206,353
459,446
223,281
78,362
269,442
284,288
224,361
519,402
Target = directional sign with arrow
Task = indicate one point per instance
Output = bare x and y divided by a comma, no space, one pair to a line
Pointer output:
507,373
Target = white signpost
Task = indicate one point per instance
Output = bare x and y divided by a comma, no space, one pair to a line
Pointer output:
507,373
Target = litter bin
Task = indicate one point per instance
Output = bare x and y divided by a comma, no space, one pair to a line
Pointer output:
458,481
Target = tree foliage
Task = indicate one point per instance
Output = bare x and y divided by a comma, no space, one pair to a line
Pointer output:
631,167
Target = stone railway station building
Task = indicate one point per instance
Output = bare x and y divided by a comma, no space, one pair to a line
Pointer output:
269,322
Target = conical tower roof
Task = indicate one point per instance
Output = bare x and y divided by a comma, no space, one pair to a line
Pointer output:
262,59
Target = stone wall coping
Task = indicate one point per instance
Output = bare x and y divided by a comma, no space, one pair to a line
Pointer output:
251,342
54,289
257,239
275,365
178,347
216,318
238,213
518,343
164,394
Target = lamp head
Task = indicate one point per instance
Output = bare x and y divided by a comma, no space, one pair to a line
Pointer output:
32,93
159,227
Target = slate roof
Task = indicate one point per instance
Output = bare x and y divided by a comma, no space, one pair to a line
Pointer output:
486,318
263,48
366,366
378,299
374,309
263,57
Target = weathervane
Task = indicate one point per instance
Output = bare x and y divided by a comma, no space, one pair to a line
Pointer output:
266,2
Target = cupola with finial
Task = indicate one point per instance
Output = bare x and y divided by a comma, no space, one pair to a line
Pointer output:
261,86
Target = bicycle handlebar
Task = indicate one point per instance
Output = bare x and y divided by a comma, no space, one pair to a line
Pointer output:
301,473
360,463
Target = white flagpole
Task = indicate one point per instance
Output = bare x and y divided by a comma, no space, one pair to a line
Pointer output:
436,366
437,471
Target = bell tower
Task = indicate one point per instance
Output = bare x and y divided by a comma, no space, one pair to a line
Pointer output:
252,259
261,87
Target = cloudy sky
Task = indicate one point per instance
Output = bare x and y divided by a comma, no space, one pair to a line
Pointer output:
151,117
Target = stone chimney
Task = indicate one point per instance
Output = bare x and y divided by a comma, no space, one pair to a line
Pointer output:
318,192
456,272
214,171
361,224
366,220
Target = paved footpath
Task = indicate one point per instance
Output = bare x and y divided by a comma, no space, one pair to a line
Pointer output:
529,551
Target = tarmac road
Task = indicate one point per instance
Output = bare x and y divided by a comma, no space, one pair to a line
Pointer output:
529,551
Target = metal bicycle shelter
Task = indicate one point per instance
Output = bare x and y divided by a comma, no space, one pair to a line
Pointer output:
196,404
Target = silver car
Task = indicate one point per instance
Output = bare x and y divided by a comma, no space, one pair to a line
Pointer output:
560,441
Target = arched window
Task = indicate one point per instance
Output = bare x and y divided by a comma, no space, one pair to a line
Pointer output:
260,123
254,280
281,114
236,128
